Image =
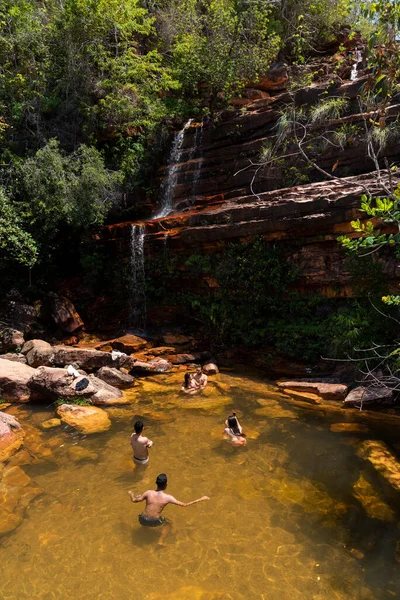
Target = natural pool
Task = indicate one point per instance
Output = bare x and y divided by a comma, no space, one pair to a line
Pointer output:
296,514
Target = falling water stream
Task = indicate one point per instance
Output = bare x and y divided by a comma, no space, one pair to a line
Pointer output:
171,178
354,69
138,280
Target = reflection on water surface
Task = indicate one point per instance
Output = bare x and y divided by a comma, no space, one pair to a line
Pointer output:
293,515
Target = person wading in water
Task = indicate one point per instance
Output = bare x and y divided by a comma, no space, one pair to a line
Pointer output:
156,501
140,445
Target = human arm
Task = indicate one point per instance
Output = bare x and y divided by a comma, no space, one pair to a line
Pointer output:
149,443
173,500
138,498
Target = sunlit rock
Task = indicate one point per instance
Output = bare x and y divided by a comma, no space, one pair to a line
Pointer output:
273,410
327,391
379,455
129,343
86,419
305,396
210,369
11,436
14,381
371,395
19,357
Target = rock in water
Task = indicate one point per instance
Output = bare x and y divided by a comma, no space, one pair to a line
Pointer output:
11,436
86,419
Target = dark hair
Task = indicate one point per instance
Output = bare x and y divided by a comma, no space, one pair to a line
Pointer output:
233,424
138,426
187,379
161,481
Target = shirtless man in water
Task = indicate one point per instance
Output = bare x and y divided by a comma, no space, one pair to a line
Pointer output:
156,501
200,378
140,445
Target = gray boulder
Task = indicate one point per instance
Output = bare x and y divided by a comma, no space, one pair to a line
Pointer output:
137,367
38,353
11,339
210,369
14,381
55,383
115,377
369,395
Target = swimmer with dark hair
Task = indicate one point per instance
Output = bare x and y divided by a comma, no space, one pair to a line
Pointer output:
234,430
156,501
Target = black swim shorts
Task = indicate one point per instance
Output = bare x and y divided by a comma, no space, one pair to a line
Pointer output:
151,521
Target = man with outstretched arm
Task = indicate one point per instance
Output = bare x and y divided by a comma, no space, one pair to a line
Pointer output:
156,501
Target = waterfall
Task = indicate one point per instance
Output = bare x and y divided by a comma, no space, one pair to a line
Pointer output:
138,281
171,178
354,69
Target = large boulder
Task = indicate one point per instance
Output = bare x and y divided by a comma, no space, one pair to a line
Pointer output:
64,313
326,391
137,367
369,395
129,343
86,419
115,377
38,353
11,436
19,357
11,339
14,381
210,369
55,383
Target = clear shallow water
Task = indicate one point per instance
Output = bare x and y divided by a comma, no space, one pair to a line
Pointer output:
289,517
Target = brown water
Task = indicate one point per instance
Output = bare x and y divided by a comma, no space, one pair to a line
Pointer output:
293,515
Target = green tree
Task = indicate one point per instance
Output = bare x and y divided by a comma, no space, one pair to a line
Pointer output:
16,244
216,45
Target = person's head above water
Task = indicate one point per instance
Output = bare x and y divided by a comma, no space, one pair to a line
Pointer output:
187,379
233,424
138,426
199,369
161,481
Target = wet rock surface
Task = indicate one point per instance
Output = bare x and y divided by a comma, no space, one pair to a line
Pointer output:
11,436
86,419
16,493
326,391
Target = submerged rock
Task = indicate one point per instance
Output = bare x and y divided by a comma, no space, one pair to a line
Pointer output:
327,391
86,419
78,454
372,503
11,436
14,381
50,423
349,428
16,493
379,455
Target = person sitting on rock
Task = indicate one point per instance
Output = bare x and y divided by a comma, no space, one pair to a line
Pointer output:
140,445
156,501
189,385
200,378
234,430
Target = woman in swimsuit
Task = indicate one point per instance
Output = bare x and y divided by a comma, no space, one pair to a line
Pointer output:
234,431
189,385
